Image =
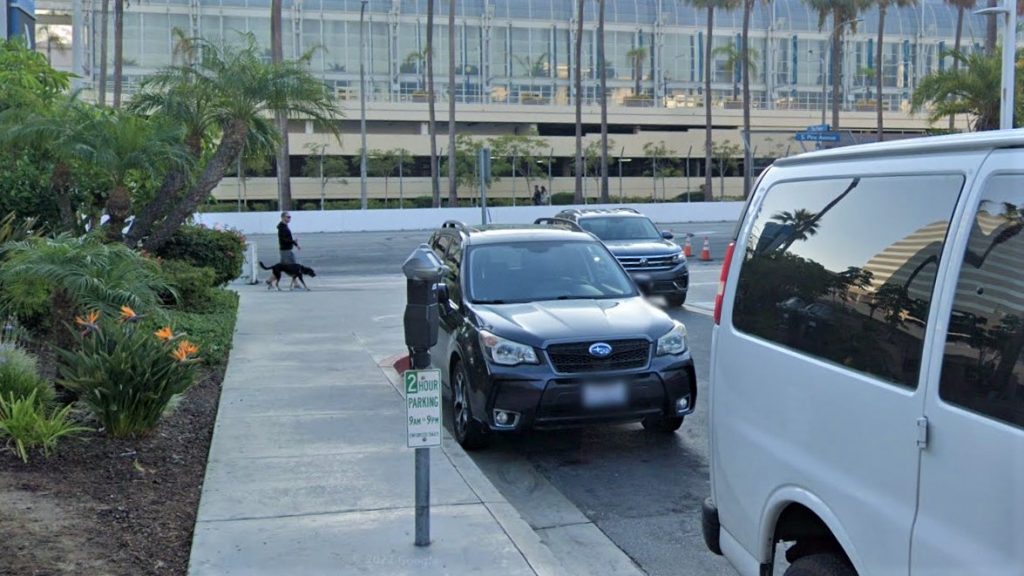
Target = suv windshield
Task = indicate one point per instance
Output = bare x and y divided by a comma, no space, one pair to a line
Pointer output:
612,228
531,271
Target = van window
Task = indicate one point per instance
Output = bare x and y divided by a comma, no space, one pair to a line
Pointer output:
843,269
982,369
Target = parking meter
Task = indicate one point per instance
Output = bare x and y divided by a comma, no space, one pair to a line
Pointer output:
422,269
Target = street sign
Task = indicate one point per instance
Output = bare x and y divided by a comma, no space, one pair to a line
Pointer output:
423,407
817,137
819,128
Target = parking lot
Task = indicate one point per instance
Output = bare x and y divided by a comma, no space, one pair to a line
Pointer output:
642,490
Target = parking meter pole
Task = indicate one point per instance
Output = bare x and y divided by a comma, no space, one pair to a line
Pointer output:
484,171
422,271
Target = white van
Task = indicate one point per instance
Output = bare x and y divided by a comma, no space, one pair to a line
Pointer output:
867,382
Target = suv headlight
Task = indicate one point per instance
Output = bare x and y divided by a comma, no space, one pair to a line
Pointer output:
506,352
674,342
678,257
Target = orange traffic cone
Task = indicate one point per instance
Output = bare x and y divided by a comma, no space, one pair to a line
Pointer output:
705,252
687,248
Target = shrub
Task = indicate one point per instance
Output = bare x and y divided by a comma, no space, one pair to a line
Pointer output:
193,285
221,250
62,276
126,374
19,378
562,198
213,328
28,426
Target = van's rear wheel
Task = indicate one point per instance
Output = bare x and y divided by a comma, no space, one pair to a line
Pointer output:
822,564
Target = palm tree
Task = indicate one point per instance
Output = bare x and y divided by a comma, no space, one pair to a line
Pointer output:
709,144
961,6
453,195
104,20
123,145
843,12
735,58
805,224
883,8
578,87
233,91
284,184
636,56
973,90
118,51
748,68
54,41
435,184
602,68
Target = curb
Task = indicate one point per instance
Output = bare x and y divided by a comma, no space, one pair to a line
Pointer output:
540,558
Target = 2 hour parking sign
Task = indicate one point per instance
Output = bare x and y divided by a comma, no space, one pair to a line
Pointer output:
423,407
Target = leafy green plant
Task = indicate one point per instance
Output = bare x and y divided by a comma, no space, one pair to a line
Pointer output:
127,375
193,284
221,250
213,328
19,377
27,425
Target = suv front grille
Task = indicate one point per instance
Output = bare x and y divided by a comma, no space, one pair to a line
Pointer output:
576,358
647,263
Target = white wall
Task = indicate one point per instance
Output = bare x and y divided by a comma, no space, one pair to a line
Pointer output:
311,221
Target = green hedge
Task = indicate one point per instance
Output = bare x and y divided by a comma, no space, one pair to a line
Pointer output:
194,285
221,250
212,329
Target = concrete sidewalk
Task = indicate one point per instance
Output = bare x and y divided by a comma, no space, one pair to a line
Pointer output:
308,471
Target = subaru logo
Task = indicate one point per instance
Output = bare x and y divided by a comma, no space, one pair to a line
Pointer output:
600,350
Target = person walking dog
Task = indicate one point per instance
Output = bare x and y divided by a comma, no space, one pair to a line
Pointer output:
285,240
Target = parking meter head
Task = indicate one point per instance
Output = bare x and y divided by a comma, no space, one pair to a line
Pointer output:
423,265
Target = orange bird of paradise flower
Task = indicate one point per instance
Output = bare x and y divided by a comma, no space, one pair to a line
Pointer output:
89,323
128,315
184,350
165,334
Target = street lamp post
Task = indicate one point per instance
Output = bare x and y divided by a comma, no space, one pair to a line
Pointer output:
1009,11
362,105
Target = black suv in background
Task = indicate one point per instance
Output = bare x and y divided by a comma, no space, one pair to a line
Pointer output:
655,262
541,328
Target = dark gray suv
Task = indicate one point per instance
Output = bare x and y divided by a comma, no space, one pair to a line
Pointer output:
542,328
655,262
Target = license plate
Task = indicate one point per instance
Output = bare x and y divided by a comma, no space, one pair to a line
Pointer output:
605,395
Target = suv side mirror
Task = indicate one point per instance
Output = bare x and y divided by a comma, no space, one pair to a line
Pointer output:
443,296
667,235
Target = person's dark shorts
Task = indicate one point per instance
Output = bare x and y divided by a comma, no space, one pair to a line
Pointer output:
287,257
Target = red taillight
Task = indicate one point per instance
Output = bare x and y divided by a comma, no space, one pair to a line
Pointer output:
721,282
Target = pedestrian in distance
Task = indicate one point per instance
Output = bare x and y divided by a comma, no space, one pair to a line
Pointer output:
536,195
543,195
285,241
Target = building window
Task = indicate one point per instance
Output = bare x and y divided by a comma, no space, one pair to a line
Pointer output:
983,369
843,269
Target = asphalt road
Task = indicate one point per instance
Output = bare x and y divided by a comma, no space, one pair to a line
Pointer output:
642,490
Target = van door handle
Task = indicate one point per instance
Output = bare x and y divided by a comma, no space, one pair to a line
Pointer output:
922,432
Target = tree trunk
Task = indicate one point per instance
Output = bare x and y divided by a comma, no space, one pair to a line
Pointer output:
227,152
837,67
708,144
992,29
748,155
878,69
956,49
284,185
453,193
60,185
104,53
119,208
118,51
603,71
169,193
435,184
578,85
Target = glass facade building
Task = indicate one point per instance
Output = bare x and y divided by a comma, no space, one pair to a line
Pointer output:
520,52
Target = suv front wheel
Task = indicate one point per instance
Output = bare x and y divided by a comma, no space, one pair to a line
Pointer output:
468,431
675,300
666,424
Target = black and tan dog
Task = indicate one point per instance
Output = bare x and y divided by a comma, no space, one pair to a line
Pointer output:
296,271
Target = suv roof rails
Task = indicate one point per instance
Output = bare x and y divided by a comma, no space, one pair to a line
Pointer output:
559,222
581,211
